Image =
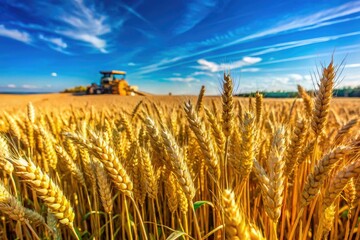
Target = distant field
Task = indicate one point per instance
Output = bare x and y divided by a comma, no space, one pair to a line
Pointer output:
19,102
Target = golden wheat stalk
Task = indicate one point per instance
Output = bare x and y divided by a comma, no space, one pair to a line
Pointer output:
322,100
199,102
10,205
228,105
178,165
104,187
247,146
316,179
70,164
340,180
307,100
107,156
46,189
204,140
236,226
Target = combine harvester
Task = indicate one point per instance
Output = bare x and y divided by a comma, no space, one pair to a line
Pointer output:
113,82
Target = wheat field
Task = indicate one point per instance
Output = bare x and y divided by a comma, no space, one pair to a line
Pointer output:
110,167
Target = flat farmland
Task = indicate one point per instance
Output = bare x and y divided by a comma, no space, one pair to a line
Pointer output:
167,167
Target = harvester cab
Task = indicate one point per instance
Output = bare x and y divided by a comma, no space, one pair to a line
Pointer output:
113,82
111,78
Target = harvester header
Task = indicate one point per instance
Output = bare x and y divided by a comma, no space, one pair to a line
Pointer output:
114,72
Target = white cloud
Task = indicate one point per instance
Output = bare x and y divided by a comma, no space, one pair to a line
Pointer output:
177,74
202,73
270,82
207,65
54,74
215,67
11,86
131,64
354,65
296,77
85,24
15,34
307,78
28,86
182,79
157,66
55,41
250,69
351,81
251,60
97,42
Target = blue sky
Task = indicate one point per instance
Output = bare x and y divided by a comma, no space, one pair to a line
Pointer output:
176,46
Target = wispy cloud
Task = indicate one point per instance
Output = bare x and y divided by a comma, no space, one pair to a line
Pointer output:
192,77
304,42
299,23
252,70
256,51
182,79
197,10
29,86
59,42
353,65
15,34
131,64
202,73
158,66
78,22
135,13
11,86
261,50
85,25
215,67
56,44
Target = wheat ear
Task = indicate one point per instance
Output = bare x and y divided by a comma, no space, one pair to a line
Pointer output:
236,226
178,165
340,180
10,205
247,146
107,156
46,189
323,167
203,139
70,164
199,102
344,131
5,153
228,105
308,102
293,151
322,100
104,187
216,129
